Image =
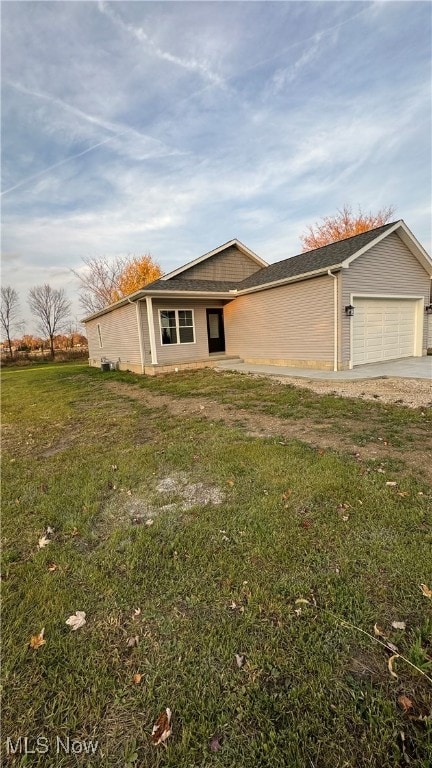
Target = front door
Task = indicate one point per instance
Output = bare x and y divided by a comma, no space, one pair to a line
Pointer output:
215,330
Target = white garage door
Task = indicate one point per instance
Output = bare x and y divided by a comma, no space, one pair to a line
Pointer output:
383,329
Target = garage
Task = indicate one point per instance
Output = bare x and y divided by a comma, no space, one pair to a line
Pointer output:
384,329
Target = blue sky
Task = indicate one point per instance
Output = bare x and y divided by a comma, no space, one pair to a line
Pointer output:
172,127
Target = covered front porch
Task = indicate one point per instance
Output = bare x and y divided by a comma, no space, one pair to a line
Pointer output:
181,333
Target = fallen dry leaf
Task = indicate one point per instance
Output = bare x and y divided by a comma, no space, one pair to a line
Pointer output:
37,640
302,600
114,467
287,494
398,624
402,493
137,612
391,646
215,743
76,621
53,567
345,518
405,702
390,665
137,678
230,483
132,641
74,532
233,605
149,522
391,483
43,542
378,632
240,659
162,727
426,591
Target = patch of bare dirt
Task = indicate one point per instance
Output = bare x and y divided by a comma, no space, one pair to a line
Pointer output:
259,424
62,445
173,493
413,393
189,494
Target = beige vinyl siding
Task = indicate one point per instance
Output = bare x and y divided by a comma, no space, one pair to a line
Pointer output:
145,335
388,269
230,264
173,353
119,332
289,323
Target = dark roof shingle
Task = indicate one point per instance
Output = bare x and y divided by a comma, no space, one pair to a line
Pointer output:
180,284
320,258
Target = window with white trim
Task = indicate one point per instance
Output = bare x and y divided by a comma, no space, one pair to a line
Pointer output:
99,335
177,326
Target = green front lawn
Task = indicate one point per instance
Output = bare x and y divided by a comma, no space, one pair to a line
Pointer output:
203,581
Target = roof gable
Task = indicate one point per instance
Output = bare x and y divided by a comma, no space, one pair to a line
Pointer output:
407,237
244,250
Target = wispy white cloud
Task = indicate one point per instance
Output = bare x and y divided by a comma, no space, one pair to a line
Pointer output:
133,144
138,145
52,167
287,75
139,33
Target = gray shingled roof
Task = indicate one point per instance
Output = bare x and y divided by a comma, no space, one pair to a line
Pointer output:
320,258
310,261
181,284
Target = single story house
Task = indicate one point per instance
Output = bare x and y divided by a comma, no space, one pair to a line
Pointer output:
360,300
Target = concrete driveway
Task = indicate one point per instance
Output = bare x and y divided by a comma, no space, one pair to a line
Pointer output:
406,368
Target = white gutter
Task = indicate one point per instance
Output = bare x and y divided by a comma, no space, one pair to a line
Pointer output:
151,330
191,294
139,295
286,280
335,319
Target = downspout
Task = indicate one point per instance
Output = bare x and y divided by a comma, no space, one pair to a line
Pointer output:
140,339
335,319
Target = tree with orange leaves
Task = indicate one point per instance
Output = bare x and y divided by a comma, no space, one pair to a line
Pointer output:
138,272
342,225
104,281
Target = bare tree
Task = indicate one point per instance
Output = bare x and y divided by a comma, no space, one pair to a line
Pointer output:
105,281
9,313
98,282
51,308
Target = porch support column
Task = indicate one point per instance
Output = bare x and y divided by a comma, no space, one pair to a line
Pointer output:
150,321
140,338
